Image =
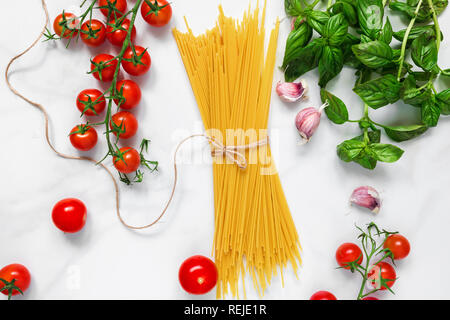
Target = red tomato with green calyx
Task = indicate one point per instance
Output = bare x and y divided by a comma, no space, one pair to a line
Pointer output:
91,102
66,25
125,123
398,245
136,64
103,67
113,8
323,295
127,161
198,275
116,33
348,252
69,215
16,275
156,13
383,271
83,137
130,94
93,33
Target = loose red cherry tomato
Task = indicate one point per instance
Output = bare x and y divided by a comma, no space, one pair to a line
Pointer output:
93,33
198,275
139,64
382,270
130,161
130,92
16,272
105,65
83,137
120,5
399,246
348,252
323,295
370,298
157,16
127,122
69,215
118,36
91,102
64,23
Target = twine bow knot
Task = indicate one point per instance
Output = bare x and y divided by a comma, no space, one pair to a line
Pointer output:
235,153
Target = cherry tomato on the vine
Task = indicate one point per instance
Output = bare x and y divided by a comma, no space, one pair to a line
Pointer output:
347,253
83,137
323,295
382,270
198,275
370,298
399,246
91,102
69,215
157,16
64,21
137,64
118,36
129,162
16,272
130,92
106,65
93,33
120,5
127,122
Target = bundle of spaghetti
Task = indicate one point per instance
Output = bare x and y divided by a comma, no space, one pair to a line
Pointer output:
231,77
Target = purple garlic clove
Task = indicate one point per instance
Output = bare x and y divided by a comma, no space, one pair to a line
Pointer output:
291,91
366,197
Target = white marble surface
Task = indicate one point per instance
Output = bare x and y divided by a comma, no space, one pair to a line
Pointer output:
108,261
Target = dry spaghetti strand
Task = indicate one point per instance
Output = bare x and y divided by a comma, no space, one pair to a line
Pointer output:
231,78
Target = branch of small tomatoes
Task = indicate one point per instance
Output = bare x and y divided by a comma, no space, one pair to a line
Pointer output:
119,29
375,271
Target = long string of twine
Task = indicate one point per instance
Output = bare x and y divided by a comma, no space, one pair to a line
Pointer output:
231,152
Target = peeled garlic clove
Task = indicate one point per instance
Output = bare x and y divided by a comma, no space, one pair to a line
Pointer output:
366,197
291,91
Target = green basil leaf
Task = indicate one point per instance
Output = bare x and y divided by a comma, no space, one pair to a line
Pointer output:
336,110
330,64
365,39
347,9
317,20
410,94
425,13
424,52
336,30
403,133
379,92
385,152
364,159
293,8
386,33
443,100
309,57
415,33
374,54
350,149
296,40
370,16
430,112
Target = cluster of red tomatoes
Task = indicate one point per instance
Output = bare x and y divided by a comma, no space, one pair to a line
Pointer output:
136,61
380,275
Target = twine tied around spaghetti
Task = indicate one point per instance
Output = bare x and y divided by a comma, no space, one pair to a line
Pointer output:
234,153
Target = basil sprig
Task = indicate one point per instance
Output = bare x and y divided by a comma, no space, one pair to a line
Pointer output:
358,34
